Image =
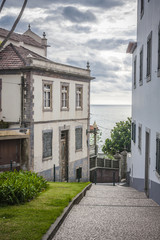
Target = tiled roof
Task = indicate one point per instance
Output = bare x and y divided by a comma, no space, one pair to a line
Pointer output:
20,38
9,59
13,57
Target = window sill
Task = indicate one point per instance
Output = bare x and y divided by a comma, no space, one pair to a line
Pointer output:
79,150
64,109
142,13
140,150
148,78
79,108
47,109
46,159
157,175
140,83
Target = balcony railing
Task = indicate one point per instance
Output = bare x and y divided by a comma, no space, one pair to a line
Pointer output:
103,163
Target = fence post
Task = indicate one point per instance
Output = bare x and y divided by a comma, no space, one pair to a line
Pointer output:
114,178
54,173
11,165
95,176
117,156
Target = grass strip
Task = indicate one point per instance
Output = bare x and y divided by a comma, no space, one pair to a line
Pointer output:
32,220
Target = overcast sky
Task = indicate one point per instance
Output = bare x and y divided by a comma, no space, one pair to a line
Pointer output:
97,31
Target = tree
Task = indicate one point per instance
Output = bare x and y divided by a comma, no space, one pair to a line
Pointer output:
15,23
120,138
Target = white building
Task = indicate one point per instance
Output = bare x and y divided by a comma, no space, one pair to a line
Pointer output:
144,165
47,107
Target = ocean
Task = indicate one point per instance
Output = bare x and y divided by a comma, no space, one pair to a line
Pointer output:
106,117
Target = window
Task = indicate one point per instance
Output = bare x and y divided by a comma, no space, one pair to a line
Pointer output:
79,173
64,96
134,132
47,95
149,55
0,95
78,133
134,77
140,137
47,144
142,8
79,94
158,154
159,49
141,68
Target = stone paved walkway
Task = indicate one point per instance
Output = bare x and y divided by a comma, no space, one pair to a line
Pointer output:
112,212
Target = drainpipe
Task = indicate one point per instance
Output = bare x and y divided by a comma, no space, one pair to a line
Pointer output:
22,101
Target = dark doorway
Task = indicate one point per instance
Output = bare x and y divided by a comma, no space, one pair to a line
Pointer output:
147,164
10,154
64,156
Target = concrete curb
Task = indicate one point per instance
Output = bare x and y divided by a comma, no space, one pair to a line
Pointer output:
56,225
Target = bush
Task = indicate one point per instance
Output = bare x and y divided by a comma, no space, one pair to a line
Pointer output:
120,138
19,187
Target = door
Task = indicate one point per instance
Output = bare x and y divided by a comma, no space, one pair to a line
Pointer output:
9,155
64,156
147,165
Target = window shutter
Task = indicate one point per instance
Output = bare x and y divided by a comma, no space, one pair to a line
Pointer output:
134,137
0,95
158,155
159,49
132,130
78,132
47,144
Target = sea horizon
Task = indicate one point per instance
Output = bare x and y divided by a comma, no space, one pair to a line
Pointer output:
110,104
106,116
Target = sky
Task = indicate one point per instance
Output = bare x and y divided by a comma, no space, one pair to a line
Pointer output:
97,31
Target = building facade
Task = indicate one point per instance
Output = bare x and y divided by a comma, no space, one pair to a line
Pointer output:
47,108
144,163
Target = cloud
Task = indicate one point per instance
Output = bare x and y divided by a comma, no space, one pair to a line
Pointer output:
97,31
107,4
7,21
75,15
79,29
103,4
106,44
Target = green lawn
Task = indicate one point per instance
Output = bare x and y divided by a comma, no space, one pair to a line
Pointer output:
31,221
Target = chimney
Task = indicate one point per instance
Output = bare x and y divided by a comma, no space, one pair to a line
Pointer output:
44,43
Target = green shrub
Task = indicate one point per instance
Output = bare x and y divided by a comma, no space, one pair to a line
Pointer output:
19,187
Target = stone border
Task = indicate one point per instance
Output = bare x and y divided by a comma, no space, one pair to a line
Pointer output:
56,225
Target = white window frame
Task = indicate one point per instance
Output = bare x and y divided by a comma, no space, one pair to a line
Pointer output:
149,57
64,96
79,97
141,8
140,137
141,67
135,72
47,95
158,51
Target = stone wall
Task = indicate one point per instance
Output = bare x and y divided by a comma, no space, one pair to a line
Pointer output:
104,175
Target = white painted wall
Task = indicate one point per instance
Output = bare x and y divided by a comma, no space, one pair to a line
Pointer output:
146,98
56,113
39,164
11,98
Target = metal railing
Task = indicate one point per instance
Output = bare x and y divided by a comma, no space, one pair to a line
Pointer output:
103,163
